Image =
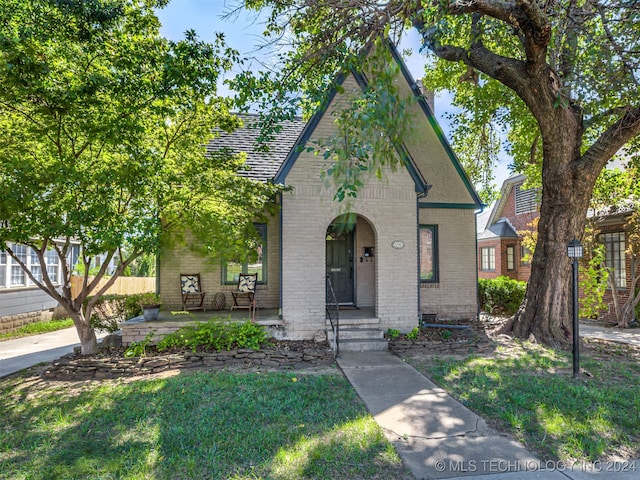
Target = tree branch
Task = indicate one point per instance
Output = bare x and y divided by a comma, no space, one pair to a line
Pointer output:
614,137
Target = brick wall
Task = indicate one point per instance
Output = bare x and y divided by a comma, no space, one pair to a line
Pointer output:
181,259
389,207
455,296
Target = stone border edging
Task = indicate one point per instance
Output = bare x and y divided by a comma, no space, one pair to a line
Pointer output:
74,367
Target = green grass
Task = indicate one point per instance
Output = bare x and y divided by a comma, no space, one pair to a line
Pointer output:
200,425
533,396
37,328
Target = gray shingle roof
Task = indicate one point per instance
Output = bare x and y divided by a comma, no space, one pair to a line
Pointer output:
501,229
263,165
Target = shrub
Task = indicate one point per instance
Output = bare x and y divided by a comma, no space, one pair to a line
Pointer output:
392,333
217,334
501,295
111,310
413,334
139,349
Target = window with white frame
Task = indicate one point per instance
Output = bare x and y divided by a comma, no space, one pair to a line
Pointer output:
488,258
12,275
511,257
615,259
53,265
35,268
3,269
17,273
525,255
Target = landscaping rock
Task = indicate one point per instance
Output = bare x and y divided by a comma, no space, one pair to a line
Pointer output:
111,363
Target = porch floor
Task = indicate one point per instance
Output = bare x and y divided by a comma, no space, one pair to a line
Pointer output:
137,328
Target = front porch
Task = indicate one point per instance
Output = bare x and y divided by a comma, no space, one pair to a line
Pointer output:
137,329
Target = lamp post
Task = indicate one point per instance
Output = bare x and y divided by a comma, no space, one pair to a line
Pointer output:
574,251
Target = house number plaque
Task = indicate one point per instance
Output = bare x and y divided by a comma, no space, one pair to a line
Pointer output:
397,244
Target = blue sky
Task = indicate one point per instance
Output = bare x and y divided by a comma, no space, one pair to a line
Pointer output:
244,34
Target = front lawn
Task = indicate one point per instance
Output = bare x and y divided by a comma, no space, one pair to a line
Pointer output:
528,390
192,426
37,328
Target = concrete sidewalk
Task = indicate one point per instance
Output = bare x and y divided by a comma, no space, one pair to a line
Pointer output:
25,352
629,336
438,437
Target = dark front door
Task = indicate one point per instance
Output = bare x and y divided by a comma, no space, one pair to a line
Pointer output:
340,262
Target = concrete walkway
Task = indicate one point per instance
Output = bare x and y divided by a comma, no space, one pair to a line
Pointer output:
25,352
630,336
438,437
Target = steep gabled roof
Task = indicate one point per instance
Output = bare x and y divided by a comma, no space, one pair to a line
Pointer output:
421,185
426,109
285,148
507,186
262,165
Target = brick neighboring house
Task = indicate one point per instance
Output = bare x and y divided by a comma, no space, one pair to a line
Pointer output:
411,251
500,249
611,227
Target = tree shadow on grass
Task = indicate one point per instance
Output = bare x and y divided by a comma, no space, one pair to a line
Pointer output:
199,425
530,393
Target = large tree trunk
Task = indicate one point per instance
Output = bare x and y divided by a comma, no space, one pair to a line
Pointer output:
546,313
86,333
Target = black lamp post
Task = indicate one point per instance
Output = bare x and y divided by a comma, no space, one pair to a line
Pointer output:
574,251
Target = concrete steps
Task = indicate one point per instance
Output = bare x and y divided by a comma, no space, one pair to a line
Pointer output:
359,339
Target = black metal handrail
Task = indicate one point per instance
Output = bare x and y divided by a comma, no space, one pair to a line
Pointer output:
332,313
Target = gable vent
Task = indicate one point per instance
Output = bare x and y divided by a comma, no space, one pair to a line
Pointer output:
526,200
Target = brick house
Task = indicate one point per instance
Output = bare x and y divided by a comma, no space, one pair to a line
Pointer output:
500,249
611,227
410,251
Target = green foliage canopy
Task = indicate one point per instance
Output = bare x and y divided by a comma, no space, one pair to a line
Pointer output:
587,50
104,125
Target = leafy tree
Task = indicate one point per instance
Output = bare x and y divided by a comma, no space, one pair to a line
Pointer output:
104,124
592,278
561,77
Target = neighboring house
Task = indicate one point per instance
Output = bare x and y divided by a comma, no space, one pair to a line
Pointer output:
410,252
500,248
21,302
611,226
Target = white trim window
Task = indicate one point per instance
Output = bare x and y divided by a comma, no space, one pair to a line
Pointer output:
488,259
35,268
53,265
18,277
511,257
13,276
3,269
615,258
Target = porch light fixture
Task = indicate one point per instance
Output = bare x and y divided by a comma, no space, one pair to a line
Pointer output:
574,252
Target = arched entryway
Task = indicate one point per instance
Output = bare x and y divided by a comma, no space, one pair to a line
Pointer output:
350,260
